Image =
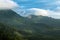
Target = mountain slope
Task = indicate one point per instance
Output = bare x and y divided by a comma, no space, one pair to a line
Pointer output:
10,17
32,24
35,27
46,20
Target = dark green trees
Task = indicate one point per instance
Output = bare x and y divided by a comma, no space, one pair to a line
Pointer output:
8,33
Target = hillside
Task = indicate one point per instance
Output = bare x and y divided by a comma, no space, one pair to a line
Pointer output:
34,28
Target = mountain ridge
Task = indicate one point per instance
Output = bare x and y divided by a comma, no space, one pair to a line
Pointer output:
34,26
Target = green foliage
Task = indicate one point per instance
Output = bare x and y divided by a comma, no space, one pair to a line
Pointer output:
7,33
15,27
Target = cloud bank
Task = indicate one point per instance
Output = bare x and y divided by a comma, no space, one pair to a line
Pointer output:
7,4
37,11
43,12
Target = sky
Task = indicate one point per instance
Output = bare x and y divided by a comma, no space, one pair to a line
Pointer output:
49,8
43,4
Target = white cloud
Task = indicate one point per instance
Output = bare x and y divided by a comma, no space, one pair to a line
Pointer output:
7,4
37,11
32,11
54,14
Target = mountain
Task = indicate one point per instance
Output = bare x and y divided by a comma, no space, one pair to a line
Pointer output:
10,17
32,27
46,20
32,24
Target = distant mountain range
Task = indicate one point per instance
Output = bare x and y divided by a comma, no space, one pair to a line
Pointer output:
35,25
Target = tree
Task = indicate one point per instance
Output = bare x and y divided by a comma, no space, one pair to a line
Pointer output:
8,33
